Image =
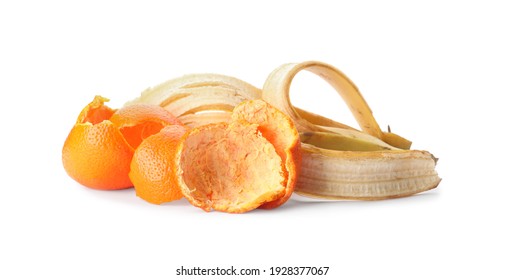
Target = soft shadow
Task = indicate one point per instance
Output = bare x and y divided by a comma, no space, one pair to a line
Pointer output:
128,196
176,203
122,196
295,203
298,202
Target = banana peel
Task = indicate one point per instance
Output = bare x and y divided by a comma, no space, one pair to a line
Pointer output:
338,161
199,99
343,163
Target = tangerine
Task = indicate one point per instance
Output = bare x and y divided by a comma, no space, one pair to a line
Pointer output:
153,167
99,148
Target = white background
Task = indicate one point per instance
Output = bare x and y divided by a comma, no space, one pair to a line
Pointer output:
432,70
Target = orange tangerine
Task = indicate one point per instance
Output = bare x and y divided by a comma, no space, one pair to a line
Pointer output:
99,148
153,167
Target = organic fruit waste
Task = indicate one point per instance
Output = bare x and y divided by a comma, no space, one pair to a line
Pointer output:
226,145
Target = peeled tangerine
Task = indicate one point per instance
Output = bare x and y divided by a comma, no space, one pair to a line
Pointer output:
235,167
99,148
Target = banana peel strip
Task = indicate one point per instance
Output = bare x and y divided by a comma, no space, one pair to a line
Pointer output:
199,99
391,171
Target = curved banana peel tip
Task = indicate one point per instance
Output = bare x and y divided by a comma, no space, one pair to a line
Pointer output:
368,165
